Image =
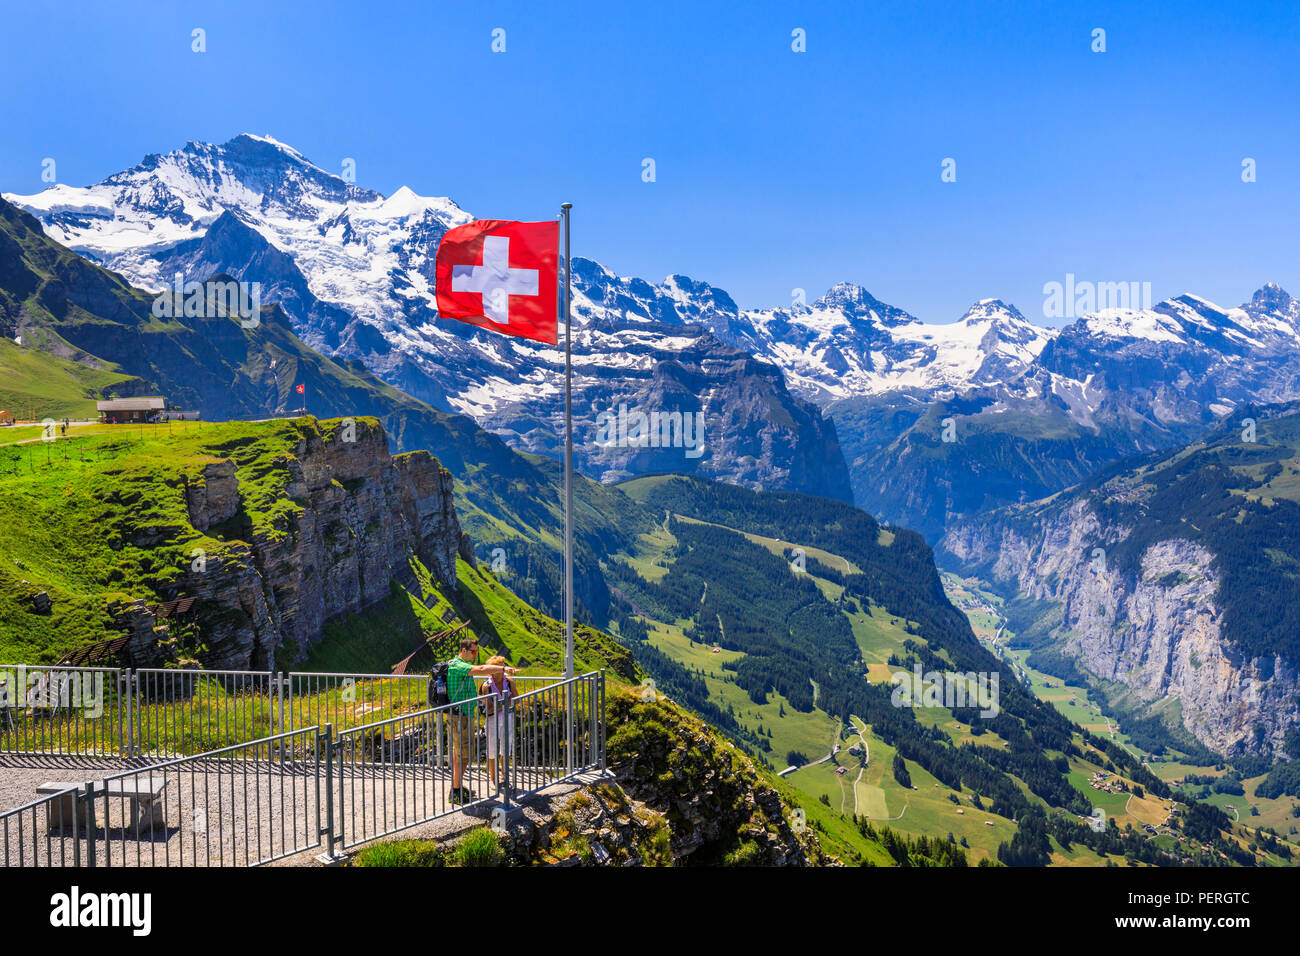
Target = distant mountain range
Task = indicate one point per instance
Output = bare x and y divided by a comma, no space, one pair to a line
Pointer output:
847,397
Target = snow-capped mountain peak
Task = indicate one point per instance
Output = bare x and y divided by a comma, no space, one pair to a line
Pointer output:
1270,320
853,301
356,248
1275,307
1146,324
849,343
277,144
992,309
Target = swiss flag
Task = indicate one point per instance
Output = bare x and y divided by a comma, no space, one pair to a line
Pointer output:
301,389
500,275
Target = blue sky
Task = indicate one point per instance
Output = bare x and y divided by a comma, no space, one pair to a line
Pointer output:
775,170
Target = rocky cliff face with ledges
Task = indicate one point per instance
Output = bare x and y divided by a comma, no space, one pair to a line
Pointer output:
350,519
1158,632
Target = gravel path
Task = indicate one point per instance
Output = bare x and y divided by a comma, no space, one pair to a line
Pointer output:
232,812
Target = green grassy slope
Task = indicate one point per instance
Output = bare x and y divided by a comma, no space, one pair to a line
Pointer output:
37,385
102,518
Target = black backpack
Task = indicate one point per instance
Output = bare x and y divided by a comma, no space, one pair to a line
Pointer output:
438,696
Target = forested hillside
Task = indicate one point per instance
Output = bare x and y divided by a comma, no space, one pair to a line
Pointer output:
808,610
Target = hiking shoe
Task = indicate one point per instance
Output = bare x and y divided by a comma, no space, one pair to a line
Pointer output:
463,795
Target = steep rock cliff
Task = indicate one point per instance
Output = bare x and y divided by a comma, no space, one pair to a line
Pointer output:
1159,632
348,521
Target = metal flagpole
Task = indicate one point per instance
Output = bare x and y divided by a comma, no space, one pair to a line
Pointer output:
568,454
568,497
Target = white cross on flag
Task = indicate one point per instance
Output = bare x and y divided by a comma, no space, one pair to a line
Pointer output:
500,274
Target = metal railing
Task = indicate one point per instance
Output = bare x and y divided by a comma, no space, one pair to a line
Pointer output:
558,732
242,805
348,700
167,712
46,832
396,773
68,711
284,793
177,712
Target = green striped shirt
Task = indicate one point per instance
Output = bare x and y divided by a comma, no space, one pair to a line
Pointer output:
460,683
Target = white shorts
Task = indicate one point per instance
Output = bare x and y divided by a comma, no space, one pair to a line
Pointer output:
496,728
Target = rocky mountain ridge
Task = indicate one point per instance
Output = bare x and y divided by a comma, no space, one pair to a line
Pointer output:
352,270
359,516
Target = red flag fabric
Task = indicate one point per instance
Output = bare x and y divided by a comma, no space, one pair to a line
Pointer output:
302,389
500,275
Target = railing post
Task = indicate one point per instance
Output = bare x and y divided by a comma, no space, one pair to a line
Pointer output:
591,721
568,727
508,812
326,737
277,705
438,726
293,718
506,748
132,711
601,724
90,824
121,702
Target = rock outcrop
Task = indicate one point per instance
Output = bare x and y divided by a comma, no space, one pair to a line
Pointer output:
598,825
215,498
678,794
348,521
717,806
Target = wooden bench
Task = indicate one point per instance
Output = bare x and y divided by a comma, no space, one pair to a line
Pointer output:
145,794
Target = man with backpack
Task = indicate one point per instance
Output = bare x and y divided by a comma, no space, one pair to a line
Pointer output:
459,675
